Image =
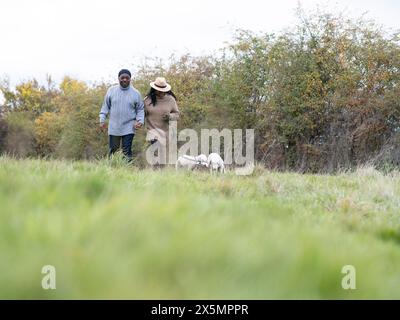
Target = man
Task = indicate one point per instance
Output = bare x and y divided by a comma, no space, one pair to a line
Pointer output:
125,108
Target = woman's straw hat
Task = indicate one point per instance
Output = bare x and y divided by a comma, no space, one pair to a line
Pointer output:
160,85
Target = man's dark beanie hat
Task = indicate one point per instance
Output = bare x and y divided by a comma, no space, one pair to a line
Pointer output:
124,71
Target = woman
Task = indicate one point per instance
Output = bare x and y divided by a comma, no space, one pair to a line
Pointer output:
160,108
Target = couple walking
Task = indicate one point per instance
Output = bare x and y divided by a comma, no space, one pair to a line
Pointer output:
127,112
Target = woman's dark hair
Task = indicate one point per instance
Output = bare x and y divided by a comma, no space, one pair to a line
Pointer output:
152,95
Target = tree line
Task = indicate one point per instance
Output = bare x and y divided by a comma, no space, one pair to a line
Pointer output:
322,96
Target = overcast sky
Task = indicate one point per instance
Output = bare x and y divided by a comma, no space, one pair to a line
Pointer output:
92,39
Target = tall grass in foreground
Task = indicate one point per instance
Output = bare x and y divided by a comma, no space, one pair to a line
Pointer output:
114,231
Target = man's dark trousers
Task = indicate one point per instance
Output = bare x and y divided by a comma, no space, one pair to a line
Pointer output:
115,142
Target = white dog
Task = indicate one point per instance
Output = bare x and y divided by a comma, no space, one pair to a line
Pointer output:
215,163
191,162
202,160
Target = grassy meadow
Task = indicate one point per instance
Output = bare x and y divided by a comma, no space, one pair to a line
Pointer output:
118,232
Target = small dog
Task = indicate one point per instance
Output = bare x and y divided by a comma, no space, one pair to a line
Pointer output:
215,163
191,162
202,160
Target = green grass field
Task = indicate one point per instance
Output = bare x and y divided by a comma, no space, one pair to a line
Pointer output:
117,232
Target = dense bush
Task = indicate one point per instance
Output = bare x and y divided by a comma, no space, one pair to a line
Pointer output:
19,139
321,97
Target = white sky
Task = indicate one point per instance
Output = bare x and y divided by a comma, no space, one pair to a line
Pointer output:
92,39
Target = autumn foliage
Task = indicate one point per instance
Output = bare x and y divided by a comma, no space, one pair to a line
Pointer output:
322,96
